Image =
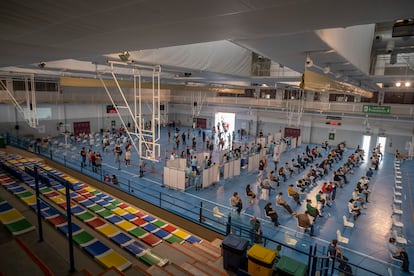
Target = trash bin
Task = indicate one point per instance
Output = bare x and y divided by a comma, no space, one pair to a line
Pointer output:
261,260
2,142
234,252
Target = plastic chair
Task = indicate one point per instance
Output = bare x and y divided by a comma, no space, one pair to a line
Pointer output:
398,238
396,200
347,223
397,193
217,213
289,240
396,211
398,185
341,238
397,223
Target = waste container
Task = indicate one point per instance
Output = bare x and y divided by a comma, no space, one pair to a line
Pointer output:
260,260
2,142
234,252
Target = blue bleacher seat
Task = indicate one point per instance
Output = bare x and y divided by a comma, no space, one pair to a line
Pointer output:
114,219
96,248
121,238
5,207
149,227
129,216
42,206
135,248
65,229
87,203
192,239
149,218
49,212
17,189
76,210
161,233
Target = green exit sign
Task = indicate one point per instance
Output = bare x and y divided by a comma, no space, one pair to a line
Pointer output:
376,109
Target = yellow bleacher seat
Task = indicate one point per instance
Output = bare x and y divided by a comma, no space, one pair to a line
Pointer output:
131,210
10,216
181,234
108,230
30,200
119,211
126,225
113,259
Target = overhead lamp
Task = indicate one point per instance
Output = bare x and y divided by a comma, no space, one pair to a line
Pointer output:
407,84
398,84
309,62
124,56
327,69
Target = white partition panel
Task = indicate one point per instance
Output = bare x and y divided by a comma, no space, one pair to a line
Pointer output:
226,171
293,142
231,168
236,167
173,179
299,141
180,184
167,176
182,163
206,178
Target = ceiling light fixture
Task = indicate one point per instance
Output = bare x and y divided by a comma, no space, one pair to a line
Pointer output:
407,84
309,62
327,69
124,56
398,84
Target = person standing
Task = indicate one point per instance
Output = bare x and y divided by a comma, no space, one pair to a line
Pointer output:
83,156
127,157
256,229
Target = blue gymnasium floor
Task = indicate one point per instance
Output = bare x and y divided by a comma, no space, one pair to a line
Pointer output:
368,239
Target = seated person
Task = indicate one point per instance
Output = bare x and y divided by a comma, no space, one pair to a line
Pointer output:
271,213
265,184
282,173
114,180
354,209
296,165
339,180
281,202
288,169
302,184
362,190
304,222
320,199
294,194
357,199
107,178
236,201
249,192
369,173
399,253
274,178
312,211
